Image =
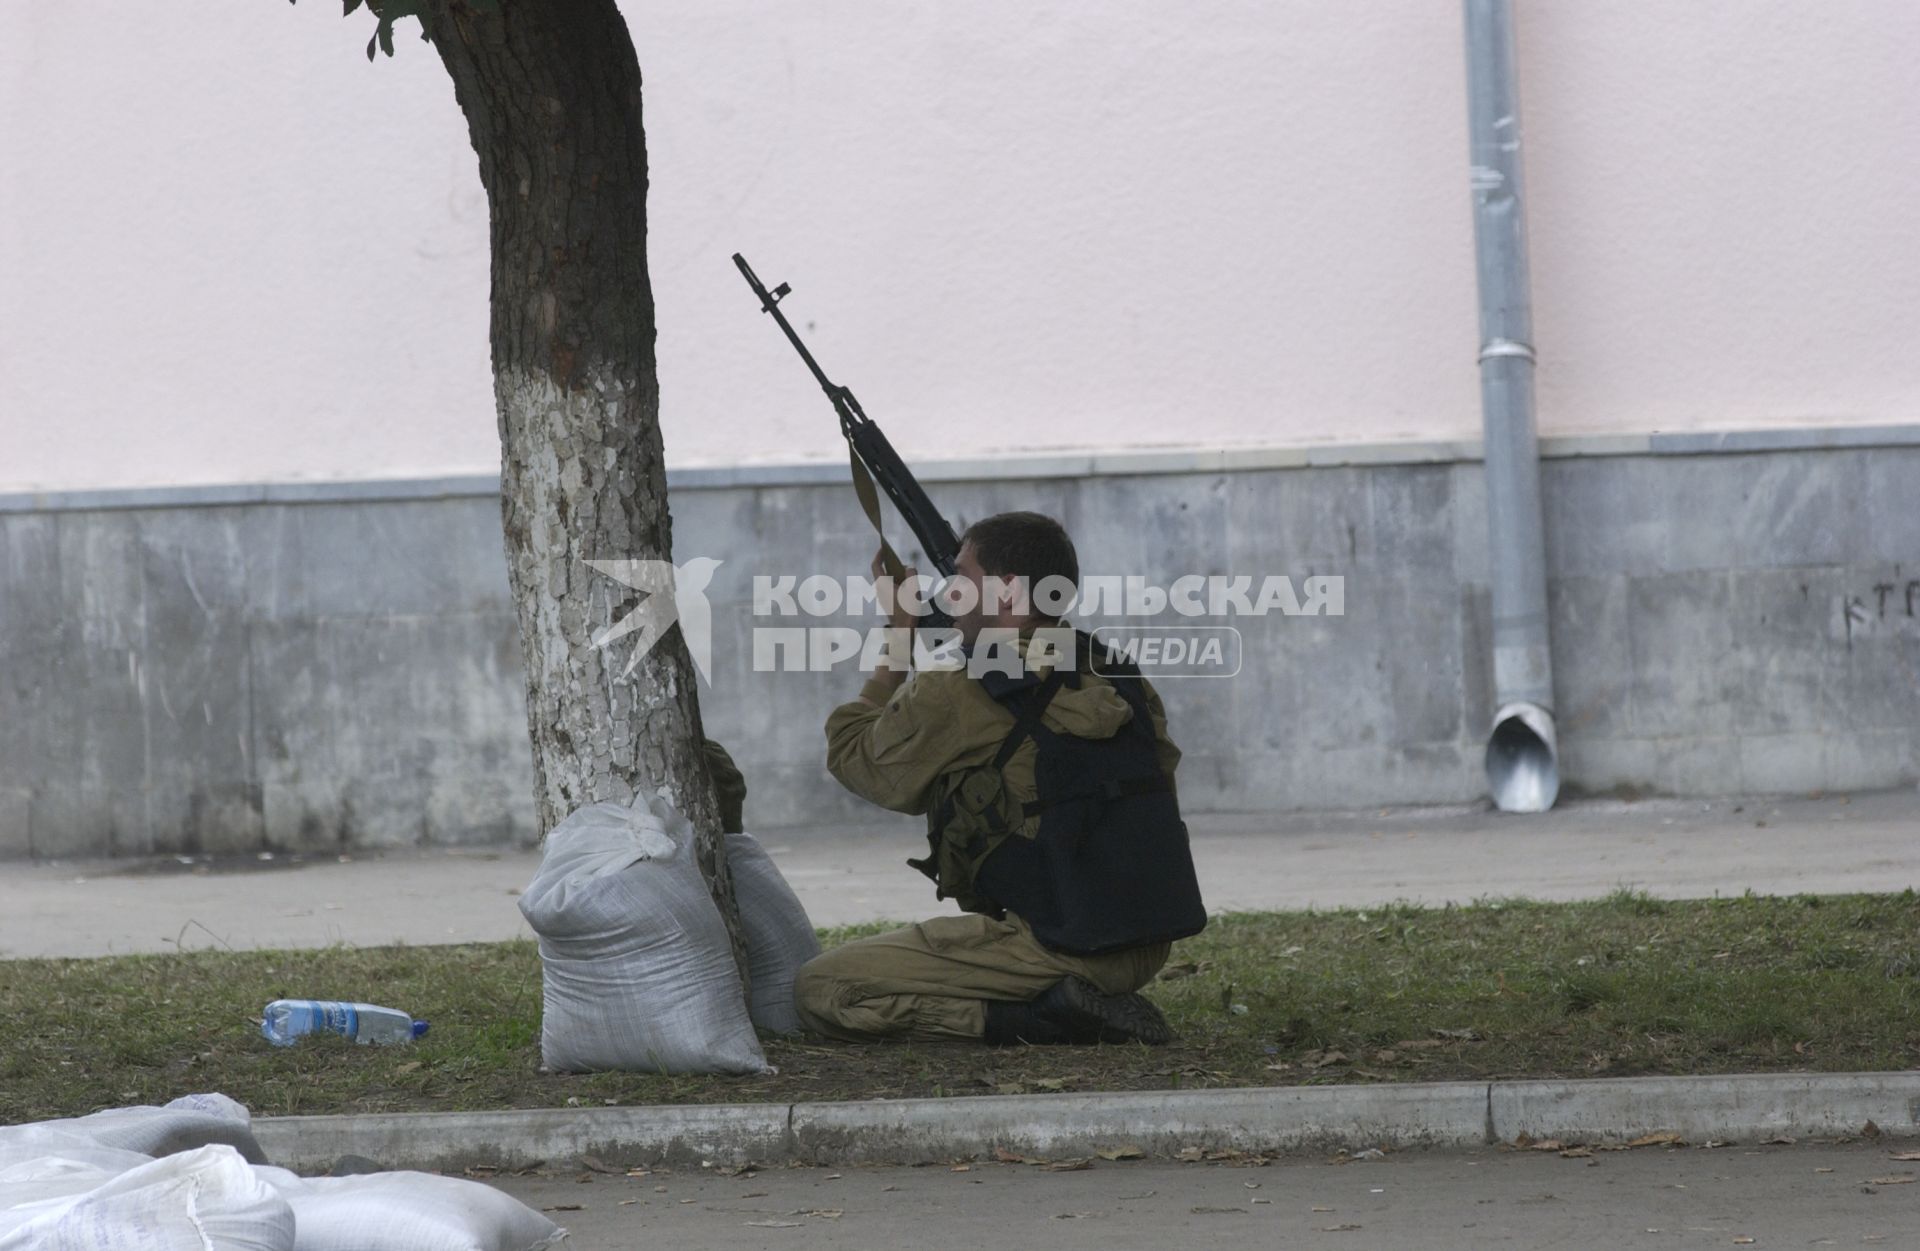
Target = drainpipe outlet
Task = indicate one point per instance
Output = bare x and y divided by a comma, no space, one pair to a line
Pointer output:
1523,759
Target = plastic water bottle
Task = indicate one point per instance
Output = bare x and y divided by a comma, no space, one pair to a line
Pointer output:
286,1020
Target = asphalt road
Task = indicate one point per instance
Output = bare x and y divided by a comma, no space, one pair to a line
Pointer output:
1670,848
1776,1196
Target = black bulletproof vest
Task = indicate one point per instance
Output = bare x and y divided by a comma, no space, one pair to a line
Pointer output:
1110,867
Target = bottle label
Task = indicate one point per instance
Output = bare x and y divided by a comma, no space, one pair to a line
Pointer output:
340,1018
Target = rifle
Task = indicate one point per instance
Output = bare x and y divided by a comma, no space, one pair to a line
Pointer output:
872,459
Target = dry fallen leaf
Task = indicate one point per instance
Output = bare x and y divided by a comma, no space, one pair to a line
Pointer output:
773,1224
1122,1153
961,1168
1665,1138
1069,1166
1323,1059
1778,1140
1009,1157
1547,1144
1897,1179
1577,1153
1905,1156
1742,1241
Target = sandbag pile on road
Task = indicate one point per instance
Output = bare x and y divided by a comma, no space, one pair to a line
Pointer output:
78,1185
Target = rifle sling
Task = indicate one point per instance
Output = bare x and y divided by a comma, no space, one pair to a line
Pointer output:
870,504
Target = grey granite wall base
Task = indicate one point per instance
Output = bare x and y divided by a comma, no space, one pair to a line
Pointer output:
261,669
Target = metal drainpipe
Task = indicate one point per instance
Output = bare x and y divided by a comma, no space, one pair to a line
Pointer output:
1523,770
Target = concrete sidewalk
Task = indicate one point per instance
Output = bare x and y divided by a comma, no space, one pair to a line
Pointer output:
1670,848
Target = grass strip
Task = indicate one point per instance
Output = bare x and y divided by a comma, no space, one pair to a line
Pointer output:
1501,989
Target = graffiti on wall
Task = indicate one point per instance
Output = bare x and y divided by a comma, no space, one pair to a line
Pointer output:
1887,607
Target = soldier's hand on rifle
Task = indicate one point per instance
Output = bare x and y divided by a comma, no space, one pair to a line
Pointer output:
892,668
901,618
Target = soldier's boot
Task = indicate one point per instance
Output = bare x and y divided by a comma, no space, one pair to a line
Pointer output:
1075,1011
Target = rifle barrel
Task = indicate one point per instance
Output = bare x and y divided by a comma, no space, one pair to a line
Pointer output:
770,304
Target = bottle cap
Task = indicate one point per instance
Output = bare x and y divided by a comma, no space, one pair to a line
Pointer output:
419,1028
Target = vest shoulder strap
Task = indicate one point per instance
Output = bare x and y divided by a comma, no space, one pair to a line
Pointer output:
1026,722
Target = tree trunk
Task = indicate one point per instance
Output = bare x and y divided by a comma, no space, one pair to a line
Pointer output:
551,94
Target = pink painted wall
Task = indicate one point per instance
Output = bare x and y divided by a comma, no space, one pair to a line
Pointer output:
231,250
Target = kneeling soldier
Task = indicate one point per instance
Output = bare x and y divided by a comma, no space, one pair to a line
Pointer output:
1051,820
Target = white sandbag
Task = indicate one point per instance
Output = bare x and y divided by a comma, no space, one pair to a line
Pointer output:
22,1145
779,936
186,1123
408,1212
637,971
204,1200
60,1176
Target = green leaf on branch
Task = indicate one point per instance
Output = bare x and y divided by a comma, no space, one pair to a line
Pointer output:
390,11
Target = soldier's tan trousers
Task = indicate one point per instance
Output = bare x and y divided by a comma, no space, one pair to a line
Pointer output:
931,980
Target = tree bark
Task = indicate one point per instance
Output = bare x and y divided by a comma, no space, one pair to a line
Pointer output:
551,94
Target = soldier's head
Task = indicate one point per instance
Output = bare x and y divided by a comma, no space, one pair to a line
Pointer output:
1021,569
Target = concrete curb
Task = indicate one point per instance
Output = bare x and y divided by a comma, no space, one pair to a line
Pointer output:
1269,1120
